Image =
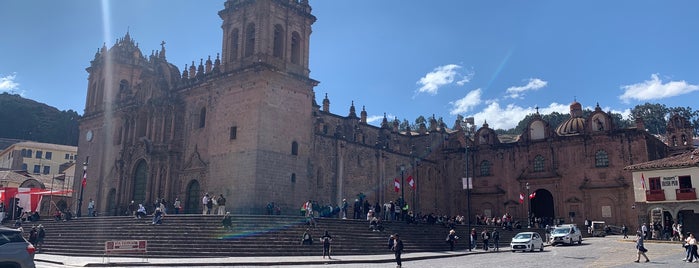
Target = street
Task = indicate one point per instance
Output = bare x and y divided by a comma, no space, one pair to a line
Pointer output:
594,252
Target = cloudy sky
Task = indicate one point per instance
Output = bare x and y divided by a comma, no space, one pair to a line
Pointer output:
494,60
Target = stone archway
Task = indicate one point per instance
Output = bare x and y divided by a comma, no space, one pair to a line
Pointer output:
140,181
542,206
191,205
111,209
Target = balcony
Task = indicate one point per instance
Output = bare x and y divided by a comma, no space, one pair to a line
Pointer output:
655,195
686,194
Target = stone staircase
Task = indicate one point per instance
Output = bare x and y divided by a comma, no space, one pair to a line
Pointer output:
252,235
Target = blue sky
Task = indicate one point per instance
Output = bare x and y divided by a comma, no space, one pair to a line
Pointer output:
494,60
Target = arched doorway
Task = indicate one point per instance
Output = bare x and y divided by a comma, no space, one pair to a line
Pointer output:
542,206
191,204
139,183
111,203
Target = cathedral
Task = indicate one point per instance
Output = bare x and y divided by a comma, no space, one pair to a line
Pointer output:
247,125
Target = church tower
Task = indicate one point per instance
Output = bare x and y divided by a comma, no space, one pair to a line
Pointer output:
248,128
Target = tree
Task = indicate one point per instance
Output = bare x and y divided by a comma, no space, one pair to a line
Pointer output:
686,112
653,116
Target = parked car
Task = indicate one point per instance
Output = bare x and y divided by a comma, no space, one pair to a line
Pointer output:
15,251
527,241
567,234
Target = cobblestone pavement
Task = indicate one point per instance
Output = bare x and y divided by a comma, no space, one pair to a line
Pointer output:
594,252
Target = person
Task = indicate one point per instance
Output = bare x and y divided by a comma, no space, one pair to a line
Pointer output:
157,216
227,221
485,235
206,202
57,216
625,231
141,212
548,233
132,209
644,230
326,239
451,239
91,208
397,248
40,237
2,212
474,237
375,224
641,249
496,239
345,205
33,235
177,205
306,238
221,205
691,247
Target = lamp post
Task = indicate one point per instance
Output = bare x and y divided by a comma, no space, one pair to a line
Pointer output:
82,189
466,126
402,191
529,209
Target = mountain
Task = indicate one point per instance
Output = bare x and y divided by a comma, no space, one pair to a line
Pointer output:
26,119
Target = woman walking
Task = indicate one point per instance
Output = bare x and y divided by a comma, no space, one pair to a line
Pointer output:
326,239
641,249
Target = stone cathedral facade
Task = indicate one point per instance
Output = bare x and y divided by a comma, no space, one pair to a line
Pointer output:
247,125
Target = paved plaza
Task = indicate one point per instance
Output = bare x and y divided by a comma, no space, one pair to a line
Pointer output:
594,252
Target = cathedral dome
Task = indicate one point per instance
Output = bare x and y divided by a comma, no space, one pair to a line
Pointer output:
575,124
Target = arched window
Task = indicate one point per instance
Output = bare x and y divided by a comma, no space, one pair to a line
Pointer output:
140,181
295,48
278,48
538,163
123,85
601,159
202,117
250,40
24,152
234,44
294,148
485,168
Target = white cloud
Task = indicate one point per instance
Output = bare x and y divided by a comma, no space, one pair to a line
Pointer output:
7,83
655,89
466,103
508,117
533,84
441,76
378,118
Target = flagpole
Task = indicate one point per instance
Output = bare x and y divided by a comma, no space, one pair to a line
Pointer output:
529,208
82,189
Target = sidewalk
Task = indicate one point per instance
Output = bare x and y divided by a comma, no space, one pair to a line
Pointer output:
247,261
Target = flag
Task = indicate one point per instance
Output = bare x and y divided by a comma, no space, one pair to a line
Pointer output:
643,181
521,198
396,184
411,182
84,178
532,195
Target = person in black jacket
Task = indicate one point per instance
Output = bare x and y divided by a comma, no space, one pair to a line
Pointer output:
397,248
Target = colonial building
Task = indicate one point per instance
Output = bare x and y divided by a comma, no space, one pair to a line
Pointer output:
247,125
664,189
37,157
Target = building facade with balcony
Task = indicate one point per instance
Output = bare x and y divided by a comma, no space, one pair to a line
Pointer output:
37,157
665,190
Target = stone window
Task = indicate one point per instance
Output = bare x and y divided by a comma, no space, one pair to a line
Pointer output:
29,153
250,40
485,168
48,155
37,169
24,167
39,154
67,156
278,41
601,159
47,170
294,148
234,133
295,48
538,163
293,177
234,44
202,118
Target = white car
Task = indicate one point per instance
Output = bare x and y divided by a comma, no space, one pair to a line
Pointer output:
566,234
527,241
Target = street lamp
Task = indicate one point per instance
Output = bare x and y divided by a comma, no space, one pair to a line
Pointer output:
402,190
529,209
467,131
82,189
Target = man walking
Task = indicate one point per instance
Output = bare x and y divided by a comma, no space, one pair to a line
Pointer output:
496,239
397,249
221,205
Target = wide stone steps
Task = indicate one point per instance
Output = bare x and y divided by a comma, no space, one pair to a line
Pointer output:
252,235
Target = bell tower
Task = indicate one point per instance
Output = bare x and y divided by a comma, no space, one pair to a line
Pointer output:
270,32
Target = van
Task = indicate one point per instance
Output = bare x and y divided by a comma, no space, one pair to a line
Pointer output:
566,234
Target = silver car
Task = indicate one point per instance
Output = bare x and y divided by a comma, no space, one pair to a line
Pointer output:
15,251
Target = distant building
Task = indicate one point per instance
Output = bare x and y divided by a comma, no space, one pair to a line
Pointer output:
37,157
247,125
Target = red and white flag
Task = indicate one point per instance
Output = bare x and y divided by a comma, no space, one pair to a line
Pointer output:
643,181
411,182
84,178
532,195
396,185
521,198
